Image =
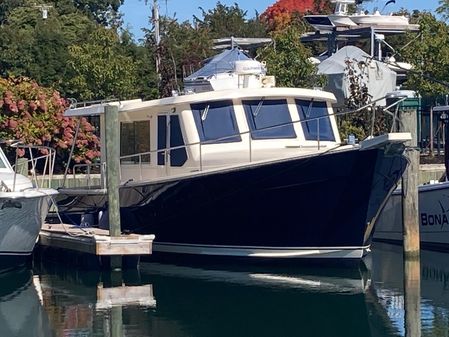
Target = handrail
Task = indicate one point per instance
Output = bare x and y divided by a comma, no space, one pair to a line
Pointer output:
49,162
166,151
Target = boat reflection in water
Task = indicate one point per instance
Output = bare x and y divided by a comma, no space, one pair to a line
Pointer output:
242,301
92,303
387,266
223,299
21,311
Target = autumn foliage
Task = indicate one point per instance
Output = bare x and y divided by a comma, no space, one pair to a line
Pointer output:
280,15
35,115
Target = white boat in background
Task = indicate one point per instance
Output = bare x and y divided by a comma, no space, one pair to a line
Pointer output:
23,204
433,217
340,17
378,19
433,203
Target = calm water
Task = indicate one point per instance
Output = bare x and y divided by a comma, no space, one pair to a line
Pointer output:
225,300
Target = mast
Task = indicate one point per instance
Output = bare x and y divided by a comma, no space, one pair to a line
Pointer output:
157,37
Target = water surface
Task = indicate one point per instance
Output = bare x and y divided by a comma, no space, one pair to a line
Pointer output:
224,299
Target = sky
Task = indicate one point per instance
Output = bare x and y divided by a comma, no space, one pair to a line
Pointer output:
136,13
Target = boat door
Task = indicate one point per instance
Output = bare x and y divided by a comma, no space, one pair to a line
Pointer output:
169,132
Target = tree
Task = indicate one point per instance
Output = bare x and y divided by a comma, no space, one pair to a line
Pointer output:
443,9
99,69
181,46
429,55
288,59
284,13
105,12
225,21
34,115
38,48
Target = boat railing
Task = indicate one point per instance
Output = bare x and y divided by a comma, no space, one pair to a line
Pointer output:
92,174
140,159
35,158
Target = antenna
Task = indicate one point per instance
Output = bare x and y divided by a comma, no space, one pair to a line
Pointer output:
387,3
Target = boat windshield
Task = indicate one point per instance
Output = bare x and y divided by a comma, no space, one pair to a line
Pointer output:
317,125
216,122
269,119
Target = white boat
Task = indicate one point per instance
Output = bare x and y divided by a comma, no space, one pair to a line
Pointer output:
249,170
340,17
378,19
433,217
23,206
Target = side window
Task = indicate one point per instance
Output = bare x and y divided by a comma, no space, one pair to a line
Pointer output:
177,156
315,120
269,119
215,122
135,138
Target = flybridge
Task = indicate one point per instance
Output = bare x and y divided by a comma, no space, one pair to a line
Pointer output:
231,69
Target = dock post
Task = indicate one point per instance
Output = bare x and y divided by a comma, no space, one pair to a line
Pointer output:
412,297
410,203
113,176
410,220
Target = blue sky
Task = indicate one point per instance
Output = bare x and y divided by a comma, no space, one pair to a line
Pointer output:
136,13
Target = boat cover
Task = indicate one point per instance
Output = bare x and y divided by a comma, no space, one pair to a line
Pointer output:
379,79
221,63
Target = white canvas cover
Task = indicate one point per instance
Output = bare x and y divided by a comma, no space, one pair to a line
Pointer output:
379,79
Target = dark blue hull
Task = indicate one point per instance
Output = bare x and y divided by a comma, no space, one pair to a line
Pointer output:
320,206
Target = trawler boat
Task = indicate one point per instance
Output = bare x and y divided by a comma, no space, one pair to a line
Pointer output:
249,170
24,204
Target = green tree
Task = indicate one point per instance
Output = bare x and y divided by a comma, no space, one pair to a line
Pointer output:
443,8
429,55
99,69
287,59
38,48
225,21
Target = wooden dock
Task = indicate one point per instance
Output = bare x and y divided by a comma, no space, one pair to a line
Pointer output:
94,242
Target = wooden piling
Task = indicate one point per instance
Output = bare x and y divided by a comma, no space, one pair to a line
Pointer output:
113,175
410,204
412,297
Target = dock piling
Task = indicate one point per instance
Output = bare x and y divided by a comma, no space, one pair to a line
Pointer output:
113,175
410,203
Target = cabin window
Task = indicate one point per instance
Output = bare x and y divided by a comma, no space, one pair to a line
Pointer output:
315,127
135,138
215,122
269,119
178,156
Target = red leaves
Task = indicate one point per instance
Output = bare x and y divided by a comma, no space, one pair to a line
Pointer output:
35,115
279,15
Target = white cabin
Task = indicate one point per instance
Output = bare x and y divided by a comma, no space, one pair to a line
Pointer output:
217,129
